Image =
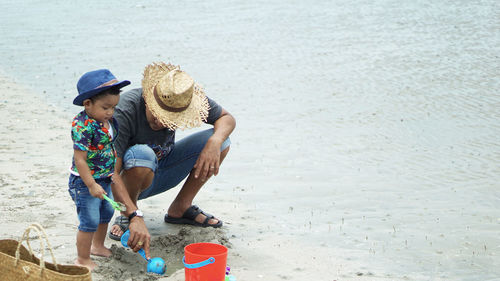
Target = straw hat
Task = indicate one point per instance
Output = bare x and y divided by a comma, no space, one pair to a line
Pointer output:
172,96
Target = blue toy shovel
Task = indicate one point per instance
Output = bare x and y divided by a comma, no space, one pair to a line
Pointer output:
155,265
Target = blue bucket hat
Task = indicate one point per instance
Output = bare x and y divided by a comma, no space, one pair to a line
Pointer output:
95,82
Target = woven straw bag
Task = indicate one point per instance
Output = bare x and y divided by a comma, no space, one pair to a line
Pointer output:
18,263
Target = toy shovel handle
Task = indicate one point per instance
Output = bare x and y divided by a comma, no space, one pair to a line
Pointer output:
115,205
124,241
143,254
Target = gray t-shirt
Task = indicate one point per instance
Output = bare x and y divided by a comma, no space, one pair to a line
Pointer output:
134,127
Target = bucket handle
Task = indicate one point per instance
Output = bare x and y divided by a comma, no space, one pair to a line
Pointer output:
199,264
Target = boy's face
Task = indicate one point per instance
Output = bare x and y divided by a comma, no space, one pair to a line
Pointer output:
102,108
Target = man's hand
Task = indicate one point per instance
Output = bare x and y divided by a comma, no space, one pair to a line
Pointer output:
139,236
208,162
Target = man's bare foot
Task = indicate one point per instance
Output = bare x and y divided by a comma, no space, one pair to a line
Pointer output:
100,251
88,263
118,227
116,230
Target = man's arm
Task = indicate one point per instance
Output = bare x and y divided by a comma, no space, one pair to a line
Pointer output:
137,227
125,116
209,160
120,192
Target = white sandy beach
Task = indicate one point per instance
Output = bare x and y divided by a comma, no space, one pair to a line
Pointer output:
37,151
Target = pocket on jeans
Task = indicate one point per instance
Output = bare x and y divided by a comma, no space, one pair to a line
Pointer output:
72,193
78,191
72,187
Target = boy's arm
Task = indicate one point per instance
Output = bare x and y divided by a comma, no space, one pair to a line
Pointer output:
83,169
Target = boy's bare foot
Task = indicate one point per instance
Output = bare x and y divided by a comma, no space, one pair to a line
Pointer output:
100,251
88,263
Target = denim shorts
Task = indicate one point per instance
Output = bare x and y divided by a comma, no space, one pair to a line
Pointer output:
91,211
172,169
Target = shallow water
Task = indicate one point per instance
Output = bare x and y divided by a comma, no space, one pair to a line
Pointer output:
363,126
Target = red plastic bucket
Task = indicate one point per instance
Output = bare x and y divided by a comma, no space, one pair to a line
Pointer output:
205,262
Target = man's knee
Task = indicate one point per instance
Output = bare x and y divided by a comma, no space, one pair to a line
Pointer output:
225,146
139,172
140,156
225,151
137,179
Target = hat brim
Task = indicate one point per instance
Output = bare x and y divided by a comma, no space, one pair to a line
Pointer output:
191,117
87,95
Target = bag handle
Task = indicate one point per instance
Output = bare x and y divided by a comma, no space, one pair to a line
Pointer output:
39,229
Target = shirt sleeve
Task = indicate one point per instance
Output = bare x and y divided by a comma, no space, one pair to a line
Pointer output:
126,115
122,138
214,111
81,136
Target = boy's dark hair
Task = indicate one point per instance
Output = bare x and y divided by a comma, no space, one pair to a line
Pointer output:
111,91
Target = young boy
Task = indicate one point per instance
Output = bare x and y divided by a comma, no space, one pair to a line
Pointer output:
93,132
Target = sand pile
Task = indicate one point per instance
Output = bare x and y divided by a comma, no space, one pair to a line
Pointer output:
124,264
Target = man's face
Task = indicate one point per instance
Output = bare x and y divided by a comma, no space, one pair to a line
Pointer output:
154,123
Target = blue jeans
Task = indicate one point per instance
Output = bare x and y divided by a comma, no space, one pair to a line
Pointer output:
91,211
173,168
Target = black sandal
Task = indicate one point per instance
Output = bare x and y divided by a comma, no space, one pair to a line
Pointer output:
189,217
123,223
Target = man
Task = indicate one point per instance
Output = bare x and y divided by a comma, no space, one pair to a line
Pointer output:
149,161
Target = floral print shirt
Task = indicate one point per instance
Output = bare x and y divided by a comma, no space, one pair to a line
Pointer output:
91,136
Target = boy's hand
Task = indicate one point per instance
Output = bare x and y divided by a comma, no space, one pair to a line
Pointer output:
96,190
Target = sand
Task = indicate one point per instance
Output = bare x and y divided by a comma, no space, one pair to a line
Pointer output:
36,148
36,151
270,236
